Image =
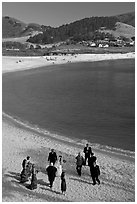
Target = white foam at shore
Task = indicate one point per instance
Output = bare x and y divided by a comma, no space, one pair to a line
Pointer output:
75,141
10,64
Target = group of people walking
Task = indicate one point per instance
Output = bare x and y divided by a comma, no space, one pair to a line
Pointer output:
55,169
89,160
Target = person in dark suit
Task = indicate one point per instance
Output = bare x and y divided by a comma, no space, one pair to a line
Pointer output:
79,163
52,158
95,174
51,171
91,162
87,151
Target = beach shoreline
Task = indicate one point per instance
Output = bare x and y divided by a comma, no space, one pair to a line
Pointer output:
117,173
10,64
75,142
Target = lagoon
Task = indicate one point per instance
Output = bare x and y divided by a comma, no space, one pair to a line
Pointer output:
92,101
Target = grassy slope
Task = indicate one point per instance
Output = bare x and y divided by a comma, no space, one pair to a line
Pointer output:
122,29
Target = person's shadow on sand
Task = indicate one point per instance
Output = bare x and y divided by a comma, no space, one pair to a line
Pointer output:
13,175
80,180
48,189
16,176
40,181
43,183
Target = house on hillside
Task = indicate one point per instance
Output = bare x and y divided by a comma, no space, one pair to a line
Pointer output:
103,45
106,45
100,45
132,43
92,44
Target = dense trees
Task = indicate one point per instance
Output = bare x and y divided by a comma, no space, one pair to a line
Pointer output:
84,29
13,45
79,30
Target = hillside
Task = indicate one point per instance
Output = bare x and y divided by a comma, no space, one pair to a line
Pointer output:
12,27
92,28
86,29
121,29
128,18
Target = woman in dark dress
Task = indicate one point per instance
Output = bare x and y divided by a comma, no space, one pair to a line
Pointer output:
63,183
29,168
24,174
34,181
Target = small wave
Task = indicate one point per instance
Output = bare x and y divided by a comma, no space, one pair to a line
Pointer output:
75,141
106,148
115,150
36,128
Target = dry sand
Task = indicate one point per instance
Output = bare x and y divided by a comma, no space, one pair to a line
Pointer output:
117,172
21,63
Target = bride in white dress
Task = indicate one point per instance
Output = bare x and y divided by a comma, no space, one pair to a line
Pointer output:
59,166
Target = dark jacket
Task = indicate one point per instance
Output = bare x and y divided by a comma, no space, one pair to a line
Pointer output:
24,163
51,170
52,157
87,151
79,160
96,171
92,160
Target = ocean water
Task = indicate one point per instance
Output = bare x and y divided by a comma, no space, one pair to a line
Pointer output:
89,101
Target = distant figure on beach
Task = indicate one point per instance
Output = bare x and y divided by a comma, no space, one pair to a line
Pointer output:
25,161
95,174
92,160
60,159
24,175
34,181
51,171
63,183
79,163
87,151
92,163
29,168
52,158
59,166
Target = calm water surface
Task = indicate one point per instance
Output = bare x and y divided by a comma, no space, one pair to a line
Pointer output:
93,101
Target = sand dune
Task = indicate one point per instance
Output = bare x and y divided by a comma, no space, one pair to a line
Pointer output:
117,172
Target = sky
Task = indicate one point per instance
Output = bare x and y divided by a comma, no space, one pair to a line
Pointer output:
59,13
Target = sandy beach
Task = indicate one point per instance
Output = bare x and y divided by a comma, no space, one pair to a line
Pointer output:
117,171
21,63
